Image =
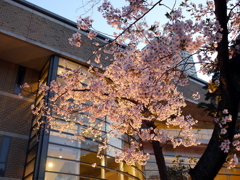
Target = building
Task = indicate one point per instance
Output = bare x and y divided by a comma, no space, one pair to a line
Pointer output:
34,47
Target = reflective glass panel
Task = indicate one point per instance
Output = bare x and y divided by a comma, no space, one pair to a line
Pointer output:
58,165
33,141
2,169
29,168
63,152
73,154
56,176
65,139
89,157
32,153
110,162
88,170
29,177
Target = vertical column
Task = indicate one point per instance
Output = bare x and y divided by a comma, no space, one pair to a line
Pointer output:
103,173
41,157
121,167
133,170
78,155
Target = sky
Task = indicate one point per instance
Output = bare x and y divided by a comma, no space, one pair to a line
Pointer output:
72,9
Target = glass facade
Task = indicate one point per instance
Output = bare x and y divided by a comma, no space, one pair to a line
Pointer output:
33,145
58,155
151,170
65,158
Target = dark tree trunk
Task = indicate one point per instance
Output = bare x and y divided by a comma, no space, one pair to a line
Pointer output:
157,149
213,158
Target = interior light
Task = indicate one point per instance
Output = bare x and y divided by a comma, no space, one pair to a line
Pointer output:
50,164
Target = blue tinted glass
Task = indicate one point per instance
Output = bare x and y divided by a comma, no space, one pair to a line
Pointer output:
6,141
4,149
2,169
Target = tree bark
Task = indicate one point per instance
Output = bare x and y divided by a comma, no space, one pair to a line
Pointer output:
162,168
158,153
213,158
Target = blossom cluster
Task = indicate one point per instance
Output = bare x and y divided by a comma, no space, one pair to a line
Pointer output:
236,142
132,155
75,40
232,161
158,135
186,136
139,85
85,23
225,145
92,34
196,96
222,122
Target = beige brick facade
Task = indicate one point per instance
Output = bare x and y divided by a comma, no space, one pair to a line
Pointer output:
44,30
8,74
16,158
15,115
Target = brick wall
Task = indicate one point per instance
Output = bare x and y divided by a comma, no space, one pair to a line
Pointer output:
16,158
15,115
8,74
49,32
31,77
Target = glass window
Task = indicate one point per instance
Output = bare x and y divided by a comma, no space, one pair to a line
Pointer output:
45,68
110,162
32,153
39,98
29,177
70,140
88,170
232,177
89,157
57,176
43,77
19,79
68,65
74,128
130,169
29,167
4,149
63,152
152,175
64,166
35,131
151,166
33,141
2,169
73,154
64,139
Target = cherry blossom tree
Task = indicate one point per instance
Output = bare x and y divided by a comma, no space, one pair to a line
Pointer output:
139,87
